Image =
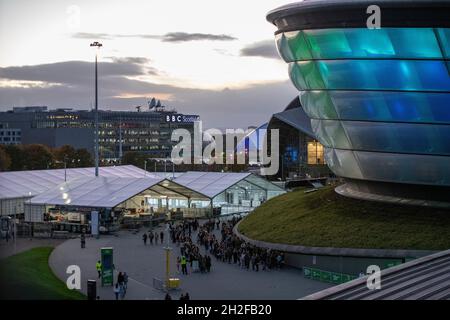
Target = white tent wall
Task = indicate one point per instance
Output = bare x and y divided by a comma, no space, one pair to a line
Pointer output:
272,194
10,207
34,212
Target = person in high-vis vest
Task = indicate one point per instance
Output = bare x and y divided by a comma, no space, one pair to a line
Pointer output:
183,265
98,266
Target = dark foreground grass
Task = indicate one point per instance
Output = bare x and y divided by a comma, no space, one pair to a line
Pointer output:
28,276
326,219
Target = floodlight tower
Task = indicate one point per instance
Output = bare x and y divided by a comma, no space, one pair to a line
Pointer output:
96,45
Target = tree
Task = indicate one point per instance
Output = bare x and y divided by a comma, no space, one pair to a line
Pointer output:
84,157
65,154
5,159
37,156
17,157
134,158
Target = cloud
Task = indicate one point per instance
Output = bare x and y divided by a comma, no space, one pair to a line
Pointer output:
135,60
77,72
168,37
234,108
265,49
183,37
96,36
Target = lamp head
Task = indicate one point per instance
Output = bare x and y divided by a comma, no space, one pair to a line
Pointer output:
96,44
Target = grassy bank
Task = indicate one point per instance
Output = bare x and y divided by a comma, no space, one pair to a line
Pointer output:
325,219
28,276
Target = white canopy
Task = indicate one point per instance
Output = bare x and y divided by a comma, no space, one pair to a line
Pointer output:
104,192
19,184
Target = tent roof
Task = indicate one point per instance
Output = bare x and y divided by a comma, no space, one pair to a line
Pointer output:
18,184
104,192
211,184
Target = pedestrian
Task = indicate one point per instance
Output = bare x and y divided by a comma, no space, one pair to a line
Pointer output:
208,263
151,236
178,264
98,266
144,237
161,236
122,291
182,297
187,297
83,241
116,291
184,265
156,237
125,281
167,297
120,279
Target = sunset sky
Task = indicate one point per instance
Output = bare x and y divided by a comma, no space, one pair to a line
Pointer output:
213,58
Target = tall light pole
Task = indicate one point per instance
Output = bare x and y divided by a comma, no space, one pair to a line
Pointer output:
98,45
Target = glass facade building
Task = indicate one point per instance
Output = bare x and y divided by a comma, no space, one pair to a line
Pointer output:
300,154
119,131
378,99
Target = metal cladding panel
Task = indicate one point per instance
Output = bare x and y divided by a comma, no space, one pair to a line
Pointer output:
378,99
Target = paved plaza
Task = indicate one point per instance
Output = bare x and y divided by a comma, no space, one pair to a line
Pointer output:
143,263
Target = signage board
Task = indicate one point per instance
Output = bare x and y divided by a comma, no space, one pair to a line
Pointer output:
181,118
107,266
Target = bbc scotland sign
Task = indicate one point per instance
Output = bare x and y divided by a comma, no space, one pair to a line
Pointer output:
181,118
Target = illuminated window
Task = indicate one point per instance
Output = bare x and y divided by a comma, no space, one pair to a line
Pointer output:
315,153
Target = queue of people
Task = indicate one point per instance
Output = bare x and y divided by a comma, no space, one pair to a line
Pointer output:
153,236
229,248
121,286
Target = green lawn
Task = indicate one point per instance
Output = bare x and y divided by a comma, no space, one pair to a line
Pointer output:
28,276
326,219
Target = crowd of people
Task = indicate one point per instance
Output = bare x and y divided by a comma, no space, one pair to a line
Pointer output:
217,239
226,247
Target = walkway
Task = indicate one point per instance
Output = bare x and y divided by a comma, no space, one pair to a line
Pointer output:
143,263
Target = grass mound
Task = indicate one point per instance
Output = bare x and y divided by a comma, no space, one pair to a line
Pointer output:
325,219
28,276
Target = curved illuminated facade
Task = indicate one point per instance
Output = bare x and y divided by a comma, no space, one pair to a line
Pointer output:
378,99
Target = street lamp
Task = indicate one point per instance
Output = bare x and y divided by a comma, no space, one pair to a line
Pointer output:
98,45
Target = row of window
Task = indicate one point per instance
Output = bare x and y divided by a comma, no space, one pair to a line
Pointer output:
363,43
384,137
377,106
9,133
391,167
403,75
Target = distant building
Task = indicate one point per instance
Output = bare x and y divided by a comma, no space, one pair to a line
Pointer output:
9,135
119,131
301,155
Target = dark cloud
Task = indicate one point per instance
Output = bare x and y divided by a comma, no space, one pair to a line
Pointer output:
235,108
135,60
76,72
265,49
168,37
93,36
183,36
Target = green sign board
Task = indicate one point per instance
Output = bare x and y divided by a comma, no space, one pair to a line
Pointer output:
307,272
107,266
